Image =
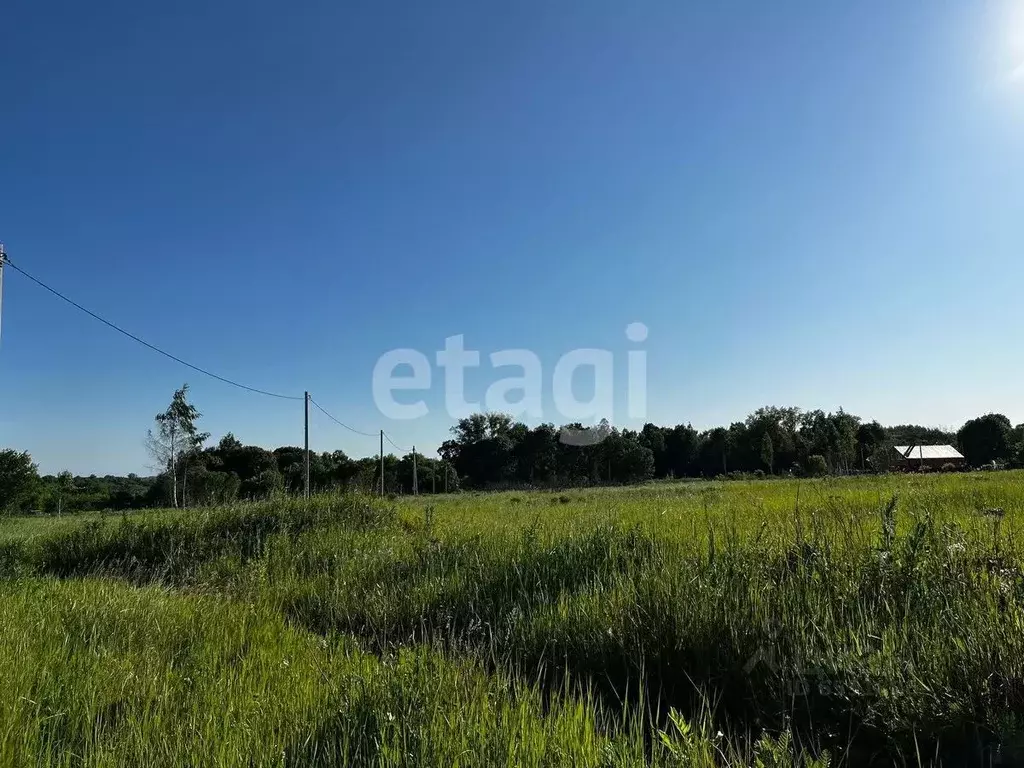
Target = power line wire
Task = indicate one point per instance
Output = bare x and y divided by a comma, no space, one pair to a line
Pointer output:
340,423
5,261
144,343
396,445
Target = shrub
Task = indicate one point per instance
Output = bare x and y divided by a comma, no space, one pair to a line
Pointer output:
816,466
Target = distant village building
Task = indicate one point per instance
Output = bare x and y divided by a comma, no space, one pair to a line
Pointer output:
912,457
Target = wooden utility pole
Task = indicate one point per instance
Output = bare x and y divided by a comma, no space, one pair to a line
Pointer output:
307,445
3,258
382,463
415,480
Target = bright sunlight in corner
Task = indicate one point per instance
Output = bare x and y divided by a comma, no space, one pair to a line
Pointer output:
1011,41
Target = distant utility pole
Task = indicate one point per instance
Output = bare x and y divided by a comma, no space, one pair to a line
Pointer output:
382,463
3,258
307,444
415,481
433,479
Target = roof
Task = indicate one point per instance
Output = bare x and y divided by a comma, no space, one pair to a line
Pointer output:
934,452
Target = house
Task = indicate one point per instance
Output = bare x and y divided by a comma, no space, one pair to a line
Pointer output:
914,457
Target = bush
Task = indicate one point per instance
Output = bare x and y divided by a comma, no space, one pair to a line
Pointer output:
816,466
949,467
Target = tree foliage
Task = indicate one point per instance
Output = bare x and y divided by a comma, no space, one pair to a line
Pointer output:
19,481
492,450
817,466
985,439
767,452
175,441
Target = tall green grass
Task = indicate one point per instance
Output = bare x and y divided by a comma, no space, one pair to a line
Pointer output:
173,546
97,674
876,618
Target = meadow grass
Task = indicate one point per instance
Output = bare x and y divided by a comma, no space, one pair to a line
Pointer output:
96,673
873,618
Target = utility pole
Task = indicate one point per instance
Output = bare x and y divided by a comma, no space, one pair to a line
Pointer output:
307,444
433,479
415,481
445,476
382,463
3,258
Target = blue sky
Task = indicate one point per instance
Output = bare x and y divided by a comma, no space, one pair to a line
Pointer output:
816,204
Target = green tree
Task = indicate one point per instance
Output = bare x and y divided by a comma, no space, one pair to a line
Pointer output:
537,455
653,437
291,463
1015,444
266,484
714,447
768,452
682,446
628,458
176,439
843,434
816,466
340,469
246,461
915,434
883,457
985,439
64,486
780,424
483,449
229,443
869,436
211,486
19,480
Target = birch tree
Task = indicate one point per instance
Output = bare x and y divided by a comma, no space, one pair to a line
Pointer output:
175,438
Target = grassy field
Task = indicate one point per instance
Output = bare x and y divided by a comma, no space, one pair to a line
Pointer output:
773,623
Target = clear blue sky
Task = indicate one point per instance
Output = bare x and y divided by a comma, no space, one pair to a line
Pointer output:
807,203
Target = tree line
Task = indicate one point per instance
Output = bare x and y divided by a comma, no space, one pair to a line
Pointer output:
492,450
189,473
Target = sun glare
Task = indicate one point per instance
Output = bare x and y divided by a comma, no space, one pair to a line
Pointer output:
1013,40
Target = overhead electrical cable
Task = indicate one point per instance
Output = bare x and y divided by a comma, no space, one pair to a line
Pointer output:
145,343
